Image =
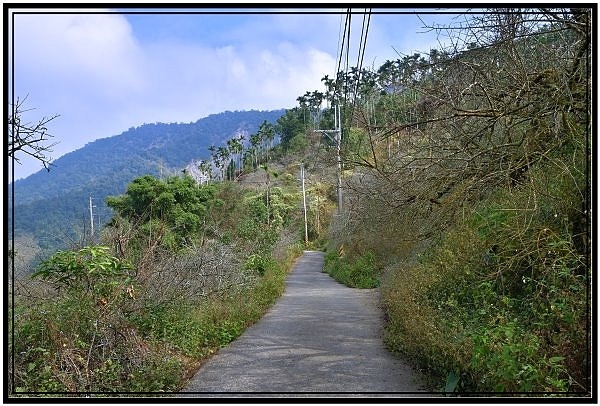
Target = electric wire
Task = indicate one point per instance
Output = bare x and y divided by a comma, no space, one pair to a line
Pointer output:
338,49
362,48
349,13
339,64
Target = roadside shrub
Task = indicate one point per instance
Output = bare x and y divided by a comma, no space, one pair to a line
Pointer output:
74,343
91,269
500,302
356,272
80,339
198,329
210,270
416,325
258,263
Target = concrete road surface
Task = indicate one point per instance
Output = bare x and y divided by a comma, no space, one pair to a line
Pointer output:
319,338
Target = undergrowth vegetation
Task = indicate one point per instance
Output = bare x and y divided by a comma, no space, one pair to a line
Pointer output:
473,192
361,271
503,298
183,270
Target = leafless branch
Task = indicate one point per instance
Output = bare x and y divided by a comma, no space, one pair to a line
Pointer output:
29,138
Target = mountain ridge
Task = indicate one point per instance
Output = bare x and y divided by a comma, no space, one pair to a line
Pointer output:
104,167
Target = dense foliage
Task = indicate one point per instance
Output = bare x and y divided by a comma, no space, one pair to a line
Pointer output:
182,270
470,181
358,271
174,210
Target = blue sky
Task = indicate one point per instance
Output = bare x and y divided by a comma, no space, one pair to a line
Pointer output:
104,71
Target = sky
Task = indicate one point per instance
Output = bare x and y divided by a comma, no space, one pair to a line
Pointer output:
103,71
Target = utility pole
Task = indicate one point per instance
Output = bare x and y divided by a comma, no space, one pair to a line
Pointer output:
338,137
304,198
337,131
91,221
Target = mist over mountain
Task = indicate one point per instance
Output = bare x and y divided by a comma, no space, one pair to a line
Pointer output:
53,207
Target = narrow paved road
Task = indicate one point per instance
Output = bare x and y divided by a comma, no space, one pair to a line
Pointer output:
319,337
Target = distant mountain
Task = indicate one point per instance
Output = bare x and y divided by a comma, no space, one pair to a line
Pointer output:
53,207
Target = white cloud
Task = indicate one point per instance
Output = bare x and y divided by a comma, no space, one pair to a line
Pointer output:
93,71
101,80
77,66
95,50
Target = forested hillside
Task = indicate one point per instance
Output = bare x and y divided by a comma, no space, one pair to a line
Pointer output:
52,208
462,179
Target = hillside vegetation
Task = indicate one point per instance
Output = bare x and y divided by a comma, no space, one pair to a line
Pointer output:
175,277
465,189
52,208
181,269
468,181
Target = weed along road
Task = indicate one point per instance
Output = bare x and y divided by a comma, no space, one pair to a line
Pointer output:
319,337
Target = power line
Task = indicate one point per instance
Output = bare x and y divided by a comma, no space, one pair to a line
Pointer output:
348,51
337,131
341,49
360,45
363,45
338,49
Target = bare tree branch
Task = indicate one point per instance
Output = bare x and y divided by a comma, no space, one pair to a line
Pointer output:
29,138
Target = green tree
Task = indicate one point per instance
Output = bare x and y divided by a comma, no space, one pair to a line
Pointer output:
266,132
289,125
174,209
236,149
